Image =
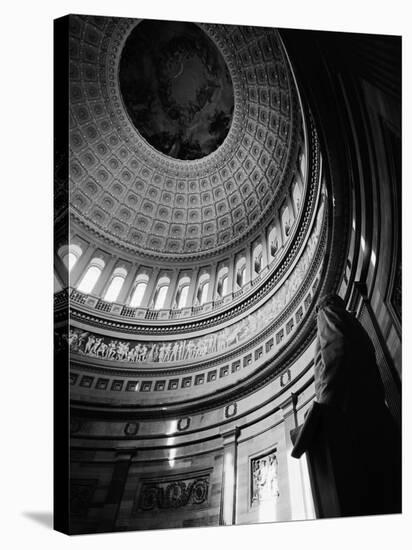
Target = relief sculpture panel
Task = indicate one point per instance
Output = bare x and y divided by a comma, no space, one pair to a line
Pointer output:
264,471
169,494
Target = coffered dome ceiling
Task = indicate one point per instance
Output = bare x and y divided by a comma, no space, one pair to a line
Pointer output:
179,146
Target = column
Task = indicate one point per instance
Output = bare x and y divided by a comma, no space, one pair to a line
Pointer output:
150,287
248,265
279,232
300,496
230,275
122,463
79,267
171,290
212,284
282,229
301,183
99,287
127,285
265,254
229,470
291,204
192,287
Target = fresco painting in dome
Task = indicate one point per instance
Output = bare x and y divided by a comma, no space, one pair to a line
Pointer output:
217,342
176,88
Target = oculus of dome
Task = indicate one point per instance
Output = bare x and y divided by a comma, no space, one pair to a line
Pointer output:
176,88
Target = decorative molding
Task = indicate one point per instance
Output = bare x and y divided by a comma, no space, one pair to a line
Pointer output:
183,424
131,428
230,410
166,494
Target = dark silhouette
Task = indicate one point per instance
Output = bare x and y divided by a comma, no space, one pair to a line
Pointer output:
352,442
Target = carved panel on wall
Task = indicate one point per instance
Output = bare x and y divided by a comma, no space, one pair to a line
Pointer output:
170,493
264,474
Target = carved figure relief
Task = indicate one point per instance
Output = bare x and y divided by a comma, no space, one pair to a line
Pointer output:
264,472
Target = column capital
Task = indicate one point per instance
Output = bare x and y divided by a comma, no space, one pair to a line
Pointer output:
230,435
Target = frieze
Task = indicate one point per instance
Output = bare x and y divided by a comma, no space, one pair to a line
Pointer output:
311,281
193,349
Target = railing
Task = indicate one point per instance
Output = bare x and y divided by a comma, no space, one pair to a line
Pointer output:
104,306
60,298
124,311
77,296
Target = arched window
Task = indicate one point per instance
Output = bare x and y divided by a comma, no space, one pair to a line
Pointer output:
287,221
273,242
160,292
116,283
297,196
91,276
241,272
70,254
182,292
222,280
203,289
140,288
257,259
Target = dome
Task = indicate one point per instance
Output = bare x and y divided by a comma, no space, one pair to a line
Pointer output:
132,193
239,287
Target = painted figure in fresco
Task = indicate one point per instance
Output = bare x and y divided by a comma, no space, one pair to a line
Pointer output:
190,349
102,350
96,345
111,352
137,351
122,350
73,339
131,354
89,344
174,352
